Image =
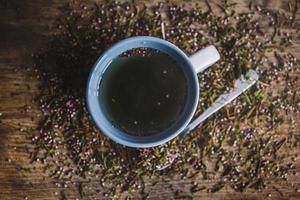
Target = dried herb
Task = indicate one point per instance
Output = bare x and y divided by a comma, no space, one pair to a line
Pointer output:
216,187
195,188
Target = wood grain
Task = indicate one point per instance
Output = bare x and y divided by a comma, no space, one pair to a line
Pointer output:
23,29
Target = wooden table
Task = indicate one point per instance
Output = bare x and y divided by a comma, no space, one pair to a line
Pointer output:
23,29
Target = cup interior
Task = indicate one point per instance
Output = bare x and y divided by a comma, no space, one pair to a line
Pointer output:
99,113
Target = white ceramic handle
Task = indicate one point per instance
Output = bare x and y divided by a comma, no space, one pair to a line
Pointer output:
204,58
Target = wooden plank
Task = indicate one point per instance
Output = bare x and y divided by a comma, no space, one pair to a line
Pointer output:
24,26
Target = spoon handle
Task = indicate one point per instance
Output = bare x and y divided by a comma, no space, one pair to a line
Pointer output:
242,84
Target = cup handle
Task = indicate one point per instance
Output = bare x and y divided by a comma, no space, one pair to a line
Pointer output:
203,59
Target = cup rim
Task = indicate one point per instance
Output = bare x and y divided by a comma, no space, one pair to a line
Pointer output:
98,114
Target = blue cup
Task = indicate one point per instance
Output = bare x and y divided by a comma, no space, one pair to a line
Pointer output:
190,65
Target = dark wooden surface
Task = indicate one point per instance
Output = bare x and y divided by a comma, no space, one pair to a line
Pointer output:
23,29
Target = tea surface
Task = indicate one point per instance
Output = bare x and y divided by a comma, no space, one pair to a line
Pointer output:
143,95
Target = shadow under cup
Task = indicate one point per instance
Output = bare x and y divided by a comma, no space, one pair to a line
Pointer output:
99,112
